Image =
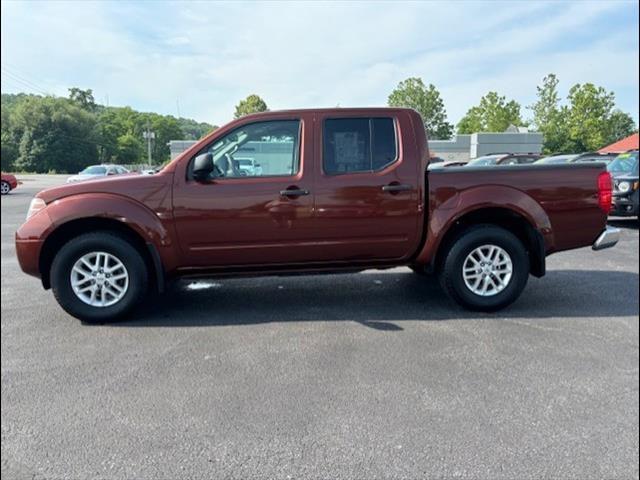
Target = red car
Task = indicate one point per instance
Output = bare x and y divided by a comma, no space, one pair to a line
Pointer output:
7,183
338,190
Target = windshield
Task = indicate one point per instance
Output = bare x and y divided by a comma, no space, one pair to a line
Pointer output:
557,159
486,160
94,170
624,163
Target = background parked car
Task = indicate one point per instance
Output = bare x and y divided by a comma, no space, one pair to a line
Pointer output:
595,157
97,171
445,163
558,158
8,183
624,170
504,159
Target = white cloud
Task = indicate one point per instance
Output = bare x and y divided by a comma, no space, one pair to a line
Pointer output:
209,55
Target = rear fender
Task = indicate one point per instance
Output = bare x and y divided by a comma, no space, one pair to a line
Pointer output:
443,215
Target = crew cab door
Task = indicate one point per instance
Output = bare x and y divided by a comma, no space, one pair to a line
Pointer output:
257,208
368,188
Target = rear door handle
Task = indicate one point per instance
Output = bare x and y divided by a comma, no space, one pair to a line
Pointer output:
294,192
396,187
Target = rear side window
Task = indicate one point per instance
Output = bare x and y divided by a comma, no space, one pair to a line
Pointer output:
353,145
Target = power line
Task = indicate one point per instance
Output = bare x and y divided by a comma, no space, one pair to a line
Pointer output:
22,83
28,83
12,83
18,73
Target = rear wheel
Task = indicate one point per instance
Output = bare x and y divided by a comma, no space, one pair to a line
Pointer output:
486,268
4,187
98,277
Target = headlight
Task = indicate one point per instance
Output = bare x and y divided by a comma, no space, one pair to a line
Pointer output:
624,187
35,206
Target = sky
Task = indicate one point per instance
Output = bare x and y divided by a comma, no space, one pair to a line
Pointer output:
198,59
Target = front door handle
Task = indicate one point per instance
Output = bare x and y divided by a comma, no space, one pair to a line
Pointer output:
294,192
396,187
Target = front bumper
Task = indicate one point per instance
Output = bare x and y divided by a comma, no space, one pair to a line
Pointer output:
29,240
608,238
624,207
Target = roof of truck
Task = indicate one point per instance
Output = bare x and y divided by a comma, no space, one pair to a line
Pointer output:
334,110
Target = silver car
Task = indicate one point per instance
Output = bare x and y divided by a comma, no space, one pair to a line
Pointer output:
97,171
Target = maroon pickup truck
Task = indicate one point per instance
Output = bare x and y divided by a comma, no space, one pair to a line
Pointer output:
311,191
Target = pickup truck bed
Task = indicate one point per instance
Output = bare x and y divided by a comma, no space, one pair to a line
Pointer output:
330,190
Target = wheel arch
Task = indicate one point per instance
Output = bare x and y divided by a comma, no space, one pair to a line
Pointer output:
73,228
505,218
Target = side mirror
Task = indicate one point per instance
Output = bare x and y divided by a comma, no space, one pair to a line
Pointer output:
202,167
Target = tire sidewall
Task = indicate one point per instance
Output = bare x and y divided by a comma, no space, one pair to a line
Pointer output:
104,242
5,185
473,239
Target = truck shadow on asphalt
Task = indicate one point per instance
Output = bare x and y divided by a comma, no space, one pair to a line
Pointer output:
377,300
628,223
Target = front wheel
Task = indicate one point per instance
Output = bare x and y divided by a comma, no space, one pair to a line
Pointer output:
4,187
486,268
98,276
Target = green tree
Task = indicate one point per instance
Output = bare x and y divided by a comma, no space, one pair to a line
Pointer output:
130,149
493,114
426,100
113,124
55,135
46,133
588,121
251,104
549,117
83,98
193,130
108,130
165,128
9,151
472,122
621,125
589,114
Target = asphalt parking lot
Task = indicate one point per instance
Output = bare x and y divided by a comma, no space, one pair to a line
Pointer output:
375,375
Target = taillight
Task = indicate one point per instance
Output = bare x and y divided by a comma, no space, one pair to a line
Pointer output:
604,191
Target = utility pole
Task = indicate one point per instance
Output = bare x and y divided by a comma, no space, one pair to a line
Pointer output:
149,135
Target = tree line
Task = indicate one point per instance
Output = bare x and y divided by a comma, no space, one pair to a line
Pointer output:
587,121
43,134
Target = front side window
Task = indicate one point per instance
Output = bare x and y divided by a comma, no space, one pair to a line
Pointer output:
353,145
258,150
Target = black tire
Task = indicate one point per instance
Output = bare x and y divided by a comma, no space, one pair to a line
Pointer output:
6,188
451,271
102,241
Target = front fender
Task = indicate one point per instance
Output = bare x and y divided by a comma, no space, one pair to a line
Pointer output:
32,236
138,217
445,210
